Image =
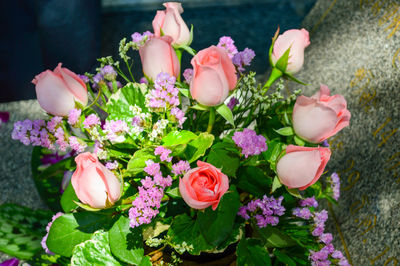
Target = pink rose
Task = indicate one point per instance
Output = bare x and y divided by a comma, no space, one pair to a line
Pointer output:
214,75
297,40
301,167
158,56
203,186
317,118
172,24
93,183
57,90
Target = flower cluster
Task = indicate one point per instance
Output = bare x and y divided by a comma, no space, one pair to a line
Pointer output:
180,168
188,75
239,59
335,185
250,142
73,116
115,130
164,154
145,206
140,39
165,94
269,208
226,43
44,239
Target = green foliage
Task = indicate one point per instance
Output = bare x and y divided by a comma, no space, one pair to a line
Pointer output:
68,198
251,252
253,180
127,243
225,155
21,230
198,147
70,230
273,237
284,258
275,149
95,251
138,161
226,113
119,106
285,131
175,138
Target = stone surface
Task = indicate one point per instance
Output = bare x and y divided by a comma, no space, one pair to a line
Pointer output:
355,51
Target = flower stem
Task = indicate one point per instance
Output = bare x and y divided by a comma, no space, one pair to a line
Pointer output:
179,55
211,120
275,74
95,100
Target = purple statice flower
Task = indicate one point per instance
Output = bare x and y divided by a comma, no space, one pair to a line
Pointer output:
188,75
243,58
137,121
250,142
99,151
232,103
304,213
4,117
164,94
337,254
265,211
321,255
53,124
164,153
110,85
20,132
43,242
343,262
140,39
335,185
325,143
326,238
74,116
97,78
76,144
115,130
143,80
180,168
319,221
226,43
108,73
91,121
179,115
10,262
309,202
112,165
145,206
84,78
61,139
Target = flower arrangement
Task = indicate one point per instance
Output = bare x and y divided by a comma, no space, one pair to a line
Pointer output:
169,169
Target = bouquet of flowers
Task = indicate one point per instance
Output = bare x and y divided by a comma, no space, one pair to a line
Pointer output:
201,167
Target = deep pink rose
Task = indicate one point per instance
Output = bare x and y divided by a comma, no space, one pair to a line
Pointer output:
172,24
317,118
297,40
301,167
158,56
57,90
93,183
203,186
214,75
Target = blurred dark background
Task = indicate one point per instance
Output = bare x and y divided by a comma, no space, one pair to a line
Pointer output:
37,34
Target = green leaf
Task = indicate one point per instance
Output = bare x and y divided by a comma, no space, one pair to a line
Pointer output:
95,251
284,258
216,226
253,180
70,230
198,147
126,243
299,141
251,252
274,237
188,49
225,156
200,107
294,192
138,162
276,184
178,137
285,131
226,113
282,62
173,192
68,198
21,230
274,150
185,92
119,106
86,207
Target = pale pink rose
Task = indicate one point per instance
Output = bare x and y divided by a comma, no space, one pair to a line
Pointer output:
203,186
301,167
93,183
214,75
172,24
317,118
158,56
297,40
57,90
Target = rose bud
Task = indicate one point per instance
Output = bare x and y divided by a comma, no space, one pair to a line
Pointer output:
158,56
317,118
297,40
203,186
214,75
301,167
93,183
57,90
170,22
